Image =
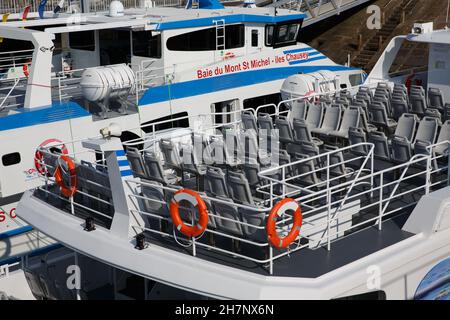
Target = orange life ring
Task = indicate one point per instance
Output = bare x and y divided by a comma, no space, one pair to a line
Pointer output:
195,199
67,191
280,207
26,70
38,156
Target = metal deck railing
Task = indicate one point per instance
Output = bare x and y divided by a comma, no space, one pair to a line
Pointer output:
317,10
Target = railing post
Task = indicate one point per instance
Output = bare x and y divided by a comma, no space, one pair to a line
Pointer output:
380,207
428,176
328,203
271,260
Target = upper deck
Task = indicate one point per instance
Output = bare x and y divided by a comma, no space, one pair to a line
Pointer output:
361,200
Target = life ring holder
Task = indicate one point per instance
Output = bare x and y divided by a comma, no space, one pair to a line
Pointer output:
38,156
281,207
197,229
67,191
229,55
26,70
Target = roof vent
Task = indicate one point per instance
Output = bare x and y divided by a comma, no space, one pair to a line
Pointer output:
421,28
116,9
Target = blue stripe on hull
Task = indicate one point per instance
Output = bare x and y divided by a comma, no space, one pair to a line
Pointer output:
57,112
203,86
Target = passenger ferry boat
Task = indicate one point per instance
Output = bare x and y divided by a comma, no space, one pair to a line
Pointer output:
334,194
77,73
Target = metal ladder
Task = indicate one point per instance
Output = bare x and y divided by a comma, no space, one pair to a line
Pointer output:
220,34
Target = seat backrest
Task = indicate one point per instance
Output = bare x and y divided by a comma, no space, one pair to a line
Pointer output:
171,153
342,101
406,126
298,109
444,134
136,162
190,161
215,183
417,89
239,189
399,107
381,147
363,122
301,131
265,122
350,119
155,201
336,160
418,104
154,167
427,130
378,114
385,100
401,149
251,169
435,98
233,143
49,162
93,181
249,139
315,115
306,169
253,219
309,148
400,88
248,120
332,117
231,214
199,143
285,129
357,136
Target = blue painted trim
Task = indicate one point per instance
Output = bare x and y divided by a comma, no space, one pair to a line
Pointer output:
15,232
299,50
240,79
234,18
307,60
33,253
120,153
315,54
123,163
54,113
126,173
206,4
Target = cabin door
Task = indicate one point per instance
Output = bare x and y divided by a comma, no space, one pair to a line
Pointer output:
254,44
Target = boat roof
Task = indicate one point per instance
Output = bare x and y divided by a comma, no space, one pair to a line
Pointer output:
162,18
436,36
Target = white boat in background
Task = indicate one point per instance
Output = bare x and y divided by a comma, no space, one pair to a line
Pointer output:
332,194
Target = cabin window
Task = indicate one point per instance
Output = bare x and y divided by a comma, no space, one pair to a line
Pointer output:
11,159
205,40
82,40
412,58
114,46
177,120
254,38
234,36
282,34
356,79
147,44
202,40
